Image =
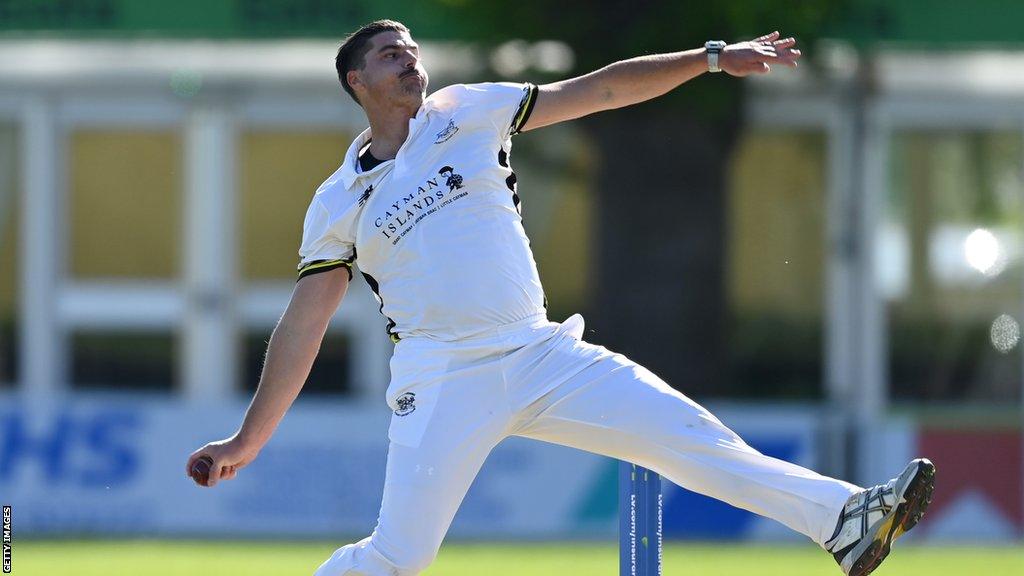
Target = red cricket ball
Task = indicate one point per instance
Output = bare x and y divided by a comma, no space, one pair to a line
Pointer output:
201,470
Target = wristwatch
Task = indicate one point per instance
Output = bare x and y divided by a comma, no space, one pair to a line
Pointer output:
714,48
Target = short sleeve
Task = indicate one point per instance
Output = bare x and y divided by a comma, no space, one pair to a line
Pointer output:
506,105
322,248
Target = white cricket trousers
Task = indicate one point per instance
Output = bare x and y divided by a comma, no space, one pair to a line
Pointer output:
455,401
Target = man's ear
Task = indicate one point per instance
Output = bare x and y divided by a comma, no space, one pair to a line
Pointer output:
352,76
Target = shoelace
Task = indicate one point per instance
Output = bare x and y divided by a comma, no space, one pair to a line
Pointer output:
873,502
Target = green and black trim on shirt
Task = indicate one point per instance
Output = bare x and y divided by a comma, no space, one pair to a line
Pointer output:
318,266
525,108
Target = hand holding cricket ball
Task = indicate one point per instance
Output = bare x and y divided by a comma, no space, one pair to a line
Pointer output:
219,461
200,471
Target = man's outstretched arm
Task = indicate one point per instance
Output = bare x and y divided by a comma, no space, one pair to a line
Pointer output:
290,354
638,79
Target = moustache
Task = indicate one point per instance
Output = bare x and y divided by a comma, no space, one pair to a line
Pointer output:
407,73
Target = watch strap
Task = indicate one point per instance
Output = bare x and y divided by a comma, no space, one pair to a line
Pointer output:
714,50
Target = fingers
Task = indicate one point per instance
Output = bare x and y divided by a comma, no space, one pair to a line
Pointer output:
220,471
226,473
194,468
774,41
771,45
788,57
215,473
191,460
776,55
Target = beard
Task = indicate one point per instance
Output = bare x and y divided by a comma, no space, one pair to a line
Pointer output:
400,91
414,87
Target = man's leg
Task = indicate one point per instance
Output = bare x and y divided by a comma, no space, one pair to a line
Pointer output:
428,474
609,405
416,511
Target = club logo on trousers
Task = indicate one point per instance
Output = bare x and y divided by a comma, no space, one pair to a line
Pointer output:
406,404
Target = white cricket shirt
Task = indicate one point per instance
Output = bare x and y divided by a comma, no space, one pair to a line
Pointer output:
437,231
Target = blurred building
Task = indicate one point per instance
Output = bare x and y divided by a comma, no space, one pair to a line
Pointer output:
151,200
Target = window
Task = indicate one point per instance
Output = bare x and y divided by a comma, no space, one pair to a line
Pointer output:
9,231
125,224
125,204
776,266
330,373
123,360
279,172
949,265
555,172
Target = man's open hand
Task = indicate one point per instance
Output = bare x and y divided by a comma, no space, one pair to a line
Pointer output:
758,55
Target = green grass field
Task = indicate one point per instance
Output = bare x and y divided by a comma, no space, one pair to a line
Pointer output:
171,558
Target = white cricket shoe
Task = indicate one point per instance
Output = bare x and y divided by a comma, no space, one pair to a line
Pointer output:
874,518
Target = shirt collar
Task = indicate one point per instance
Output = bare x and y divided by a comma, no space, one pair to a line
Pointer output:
350,173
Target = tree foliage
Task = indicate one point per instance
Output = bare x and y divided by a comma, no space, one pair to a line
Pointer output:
602,31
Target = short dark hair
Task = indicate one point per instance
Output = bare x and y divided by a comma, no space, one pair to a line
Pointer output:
352,52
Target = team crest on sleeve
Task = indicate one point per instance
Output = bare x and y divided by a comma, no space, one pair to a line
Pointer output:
447,133
452,180
406,404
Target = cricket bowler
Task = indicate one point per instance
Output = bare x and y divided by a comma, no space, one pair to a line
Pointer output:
425,203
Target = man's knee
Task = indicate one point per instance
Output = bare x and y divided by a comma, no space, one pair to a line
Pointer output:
363,559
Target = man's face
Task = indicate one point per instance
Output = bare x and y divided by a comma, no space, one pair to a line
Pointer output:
392,74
